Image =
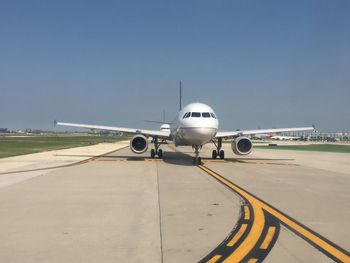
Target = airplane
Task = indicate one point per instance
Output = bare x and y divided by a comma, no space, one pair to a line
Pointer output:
285,138
195,125
262,136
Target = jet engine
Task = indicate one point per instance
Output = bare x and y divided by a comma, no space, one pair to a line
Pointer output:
139,144
241,145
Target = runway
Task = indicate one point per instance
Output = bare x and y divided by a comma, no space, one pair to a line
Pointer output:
122,207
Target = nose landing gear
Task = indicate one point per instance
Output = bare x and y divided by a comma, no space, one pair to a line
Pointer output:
197,160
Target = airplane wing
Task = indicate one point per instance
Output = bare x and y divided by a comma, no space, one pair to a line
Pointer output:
152,133
226,134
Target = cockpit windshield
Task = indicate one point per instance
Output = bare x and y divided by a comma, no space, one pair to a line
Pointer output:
199,114
186,115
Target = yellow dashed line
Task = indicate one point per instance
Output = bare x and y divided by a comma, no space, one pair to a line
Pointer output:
246,213
252,260
249,242
258,224
214,259
306,233
268,238
238,235
257,227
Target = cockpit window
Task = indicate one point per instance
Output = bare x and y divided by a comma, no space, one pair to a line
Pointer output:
196,114
213,115
205,114
186,115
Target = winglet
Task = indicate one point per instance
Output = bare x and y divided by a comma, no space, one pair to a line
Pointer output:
55,123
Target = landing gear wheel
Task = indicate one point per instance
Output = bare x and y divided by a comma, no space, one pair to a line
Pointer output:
197,161
153,153
160,153
222,154
214,154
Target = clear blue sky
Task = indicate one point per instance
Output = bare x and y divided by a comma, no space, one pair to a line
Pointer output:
257,63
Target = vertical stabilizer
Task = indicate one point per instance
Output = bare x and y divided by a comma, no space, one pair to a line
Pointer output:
180,101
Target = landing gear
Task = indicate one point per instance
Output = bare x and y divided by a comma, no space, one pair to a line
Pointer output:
222,154
197,160
156,151
160,153
153,153
218,152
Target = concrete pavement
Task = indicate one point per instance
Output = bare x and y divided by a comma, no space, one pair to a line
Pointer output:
23,167
129,208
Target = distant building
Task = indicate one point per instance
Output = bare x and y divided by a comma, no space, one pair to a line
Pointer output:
4,130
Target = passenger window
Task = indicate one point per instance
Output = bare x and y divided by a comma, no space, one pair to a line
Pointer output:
196,114
213,115
205,114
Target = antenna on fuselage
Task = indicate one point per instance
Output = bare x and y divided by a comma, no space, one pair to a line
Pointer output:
180,101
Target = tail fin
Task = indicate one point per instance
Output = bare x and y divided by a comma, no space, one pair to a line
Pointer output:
161,122
180,101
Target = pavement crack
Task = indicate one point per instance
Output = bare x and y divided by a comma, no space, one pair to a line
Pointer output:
160,215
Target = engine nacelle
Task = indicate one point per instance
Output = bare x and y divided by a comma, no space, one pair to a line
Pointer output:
241,146
139,144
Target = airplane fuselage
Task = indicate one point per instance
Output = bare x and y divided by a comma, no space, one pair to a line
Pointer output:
195,124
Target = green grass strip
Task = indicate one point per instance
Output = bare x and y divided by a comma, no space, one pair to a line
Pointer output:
13,146
313,147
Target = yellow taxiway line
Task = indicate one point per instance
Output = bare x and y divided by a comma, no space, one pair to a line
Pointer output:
258,206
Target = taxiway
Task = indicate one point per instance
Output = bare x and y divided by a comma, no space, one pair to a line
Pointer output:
123,207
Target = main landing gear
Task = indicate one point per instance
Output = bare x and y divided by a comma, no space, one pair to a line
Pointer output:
197,160
218,152
156,150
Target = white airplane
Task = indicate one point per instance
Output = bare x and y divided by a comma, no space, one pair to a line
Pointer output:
195,125
285,138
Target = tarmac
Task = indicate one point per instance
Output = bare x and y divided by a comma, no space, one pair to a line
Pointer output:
271,206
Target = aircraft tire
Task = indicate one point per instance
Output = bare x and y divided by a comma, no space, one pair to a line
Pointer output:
153,153
214,154
160,153
197,161
222,154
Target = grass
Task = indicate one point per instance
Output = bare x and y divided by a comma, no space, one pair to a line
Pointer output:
12,146
313,147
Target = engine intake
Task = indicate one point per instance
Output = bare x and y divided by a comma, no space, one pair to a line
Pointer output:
241,146
139,144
